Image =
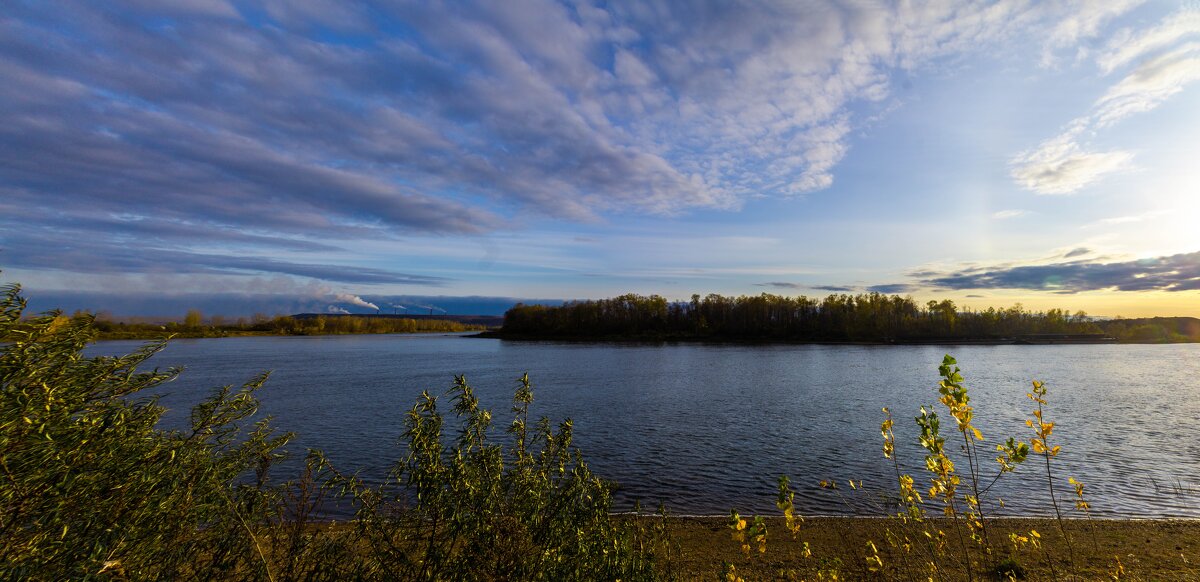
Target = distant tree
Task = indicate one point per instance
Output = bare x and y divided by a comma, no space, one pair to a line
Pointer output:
193,319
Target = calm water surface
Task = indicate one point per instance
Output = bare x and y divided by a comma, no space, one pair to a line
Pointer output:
706,428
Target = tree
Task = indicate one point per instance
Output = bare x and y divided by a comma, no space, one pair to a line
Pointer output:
194,319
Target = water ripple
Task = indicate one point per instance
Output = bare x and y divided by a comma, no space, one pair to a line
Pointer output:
707,428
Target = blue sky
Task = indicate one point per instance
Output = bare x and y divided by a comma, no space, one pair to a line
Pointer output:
303,153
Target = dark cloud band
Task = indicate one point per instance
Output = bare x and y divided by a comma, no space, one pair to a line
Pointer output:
1171,273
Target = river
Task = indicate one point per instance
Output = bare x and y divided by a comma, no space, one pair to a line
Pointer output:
706,428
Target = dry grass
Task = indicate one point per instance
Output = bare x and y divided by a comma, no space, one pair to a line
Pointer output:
1148,550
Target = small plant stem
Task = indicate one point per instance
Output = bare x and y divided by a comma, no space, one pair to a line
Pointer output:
974,467
904,520
425,573
1054,501
962,541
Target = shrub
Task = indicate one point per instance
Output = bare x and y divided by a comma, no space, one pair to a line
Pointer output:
89,487
478,510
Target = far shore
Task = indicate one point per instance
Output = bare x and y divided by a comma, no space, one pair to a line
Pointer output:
655,339
119,336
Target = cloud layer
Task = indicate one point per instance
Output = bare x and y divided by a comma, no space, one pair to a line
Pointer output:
252,139
1170,273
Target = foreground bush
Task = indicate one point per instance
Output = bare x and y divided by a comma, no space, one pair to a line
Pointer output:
91,488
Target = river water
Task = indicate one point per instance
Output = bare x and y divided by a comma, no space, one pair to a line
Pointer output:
706,428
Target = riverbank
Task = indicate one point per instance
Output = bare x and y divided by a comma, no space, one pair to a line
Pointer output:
1147,550
1047,339
158,335
283,325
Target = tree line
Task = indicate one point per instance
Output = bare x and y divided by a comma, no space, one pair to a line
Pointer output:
864,317
194,324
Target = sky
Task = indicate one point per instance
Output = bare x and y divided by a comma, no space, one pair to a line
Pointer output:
272,156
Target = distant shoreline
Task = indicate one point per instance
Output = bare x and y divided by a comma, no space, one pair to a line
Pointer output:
476,334
184,335
1108,340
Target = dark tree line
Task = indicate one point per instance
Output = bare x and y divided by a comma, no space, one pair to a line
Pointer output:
862,317
193,325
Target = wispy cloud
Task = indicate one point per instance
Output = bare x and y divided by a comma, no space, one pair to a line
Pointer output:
893,288
1061,166
1006,214
1127,219
781,285
1167,60
53,253
1149,85
1128,45
1084,23
271,138
835,288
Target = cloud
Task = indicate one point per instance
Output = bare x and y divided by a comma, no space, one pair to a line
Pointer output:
337,310
892,288
1084,23
55,253
1127,219
1149,85
138,301
1126,45
1077,252
227,136
1179,272
781,285
1065,164
439,117
1006,214
1060,166
835,288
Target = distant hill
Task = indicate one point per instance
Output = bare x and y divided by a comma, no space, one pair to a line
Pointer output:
484,320
1153,329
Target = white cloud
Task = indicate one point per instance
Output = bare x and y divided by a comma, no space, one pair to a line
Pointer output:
1064,164
1127,219
1006,214
1149,85
1060,166
1128,45
481,110
1085,21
